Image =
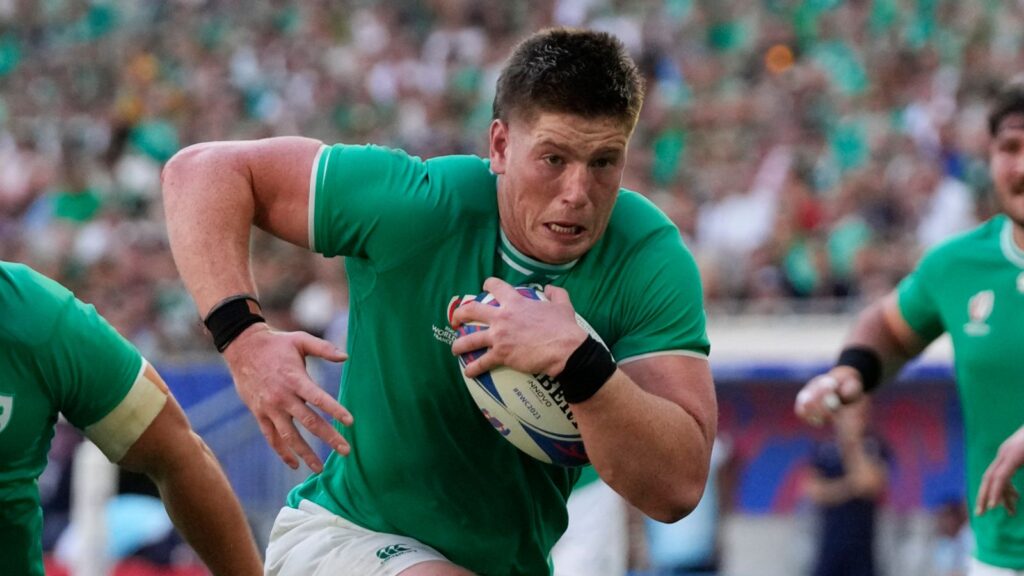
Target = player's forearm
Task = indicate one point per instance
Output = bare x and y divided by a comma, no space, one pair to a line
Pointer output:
829,492
206,512
647,448
210,209
866,476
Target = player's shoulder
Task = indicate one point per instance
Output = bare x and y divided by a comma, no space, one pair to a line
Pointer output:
462,171
341,155
30,303
453,165
637,218
462,165
976,242
460,178
466,181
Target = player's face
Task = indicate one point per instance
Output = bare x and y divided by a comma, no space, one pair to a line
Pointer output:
1006,157
559,178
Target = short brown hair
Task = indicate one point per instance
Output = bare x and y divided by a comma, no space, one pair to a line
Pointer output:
1009,100
567,70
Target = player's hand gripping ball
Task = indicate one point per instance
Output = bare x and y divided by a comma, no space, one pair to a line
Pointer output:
528,410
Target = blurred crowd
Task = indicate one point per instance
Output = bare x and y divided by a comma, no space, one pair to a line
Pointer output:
809,150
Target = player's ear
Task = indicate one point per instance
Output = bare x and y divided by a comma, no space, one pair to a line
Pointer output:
498,138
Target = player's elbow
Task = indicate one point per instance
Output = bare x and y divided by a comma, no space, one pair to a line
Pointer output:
677,503
181,164
191,166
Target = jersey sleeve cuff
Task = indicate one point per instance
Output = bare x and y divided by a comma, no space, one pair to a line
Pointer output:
687,353
313,185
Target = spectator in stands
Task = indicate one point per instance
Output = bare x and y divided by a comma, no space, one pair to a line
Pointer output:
847,480
730,82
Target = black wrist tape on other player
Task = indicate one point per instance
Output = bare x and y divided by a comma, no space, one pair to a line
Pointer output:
586,370
863,360
230,317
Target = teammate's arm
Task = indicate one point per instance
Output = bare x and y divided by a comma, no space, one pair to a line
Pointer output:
997,488
194,490
648,430
213,194
880,328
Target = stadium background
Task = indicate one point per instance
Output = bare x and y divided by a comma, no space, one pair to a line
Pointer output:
809,150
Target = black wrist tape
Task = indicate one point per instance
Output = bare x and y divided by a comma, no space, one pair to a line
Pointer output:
230,317
863,360
586,370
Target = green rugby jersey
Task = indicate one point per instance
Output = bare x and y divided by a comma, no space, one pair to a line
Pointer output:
424,462
972,286
56,355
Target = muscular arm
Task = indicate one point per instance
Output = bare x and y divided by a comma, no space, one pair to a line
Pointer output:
649,432
195,492
213,194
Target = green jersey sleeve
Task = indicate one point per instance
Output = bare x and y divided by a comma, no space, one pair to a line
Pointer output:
916,298
382,204
91,366
667,312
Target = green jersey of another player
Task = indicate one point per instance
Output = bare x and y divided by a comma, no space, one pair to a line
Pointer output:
972,287
429,487
58,356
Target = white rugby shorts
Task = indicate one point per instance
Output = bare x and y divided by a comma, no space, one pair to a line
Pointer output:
313,541
596,543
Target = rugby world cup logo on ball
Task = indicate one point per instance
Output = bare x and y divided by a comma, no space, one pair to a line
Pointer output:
528,410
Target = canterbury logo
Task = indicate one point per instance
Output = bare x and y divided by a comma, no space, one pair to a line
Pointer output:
388,552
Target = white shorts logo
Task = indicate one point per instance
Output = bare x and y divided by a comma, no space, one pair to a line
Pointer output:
390,552
6,406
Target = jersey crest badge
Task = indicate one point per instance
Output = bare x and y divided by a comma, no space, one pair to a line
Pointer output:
6,406
979,308
1020,283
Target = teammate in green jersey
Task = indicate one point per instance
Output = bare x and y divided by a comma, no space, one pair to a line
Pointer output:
58,356
971,286
428,486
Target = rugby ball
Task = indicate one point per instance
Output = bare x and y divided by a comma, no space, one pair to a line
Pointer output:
528,410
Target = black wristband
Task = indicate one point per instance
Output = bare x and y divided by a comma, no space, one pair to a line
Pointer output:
863,360
586,370
230,317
